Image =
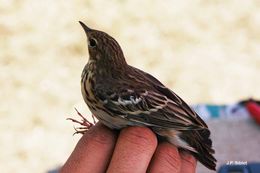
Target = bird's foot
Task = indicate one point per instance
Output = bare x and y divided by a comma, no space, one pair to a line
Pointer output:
85,124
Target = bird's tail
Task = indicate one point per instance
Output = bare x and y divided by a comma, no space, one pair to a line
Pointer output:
206,159
201,142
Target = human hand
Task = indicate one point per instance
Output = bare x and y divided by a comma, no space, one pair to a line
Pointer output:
134,149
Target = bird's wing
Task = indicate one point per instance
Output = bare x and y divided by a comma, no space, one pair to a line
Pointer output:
147,107
158,86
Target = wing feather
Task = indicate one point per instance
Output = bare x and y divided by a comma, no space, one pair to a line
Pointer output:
149,108
148,102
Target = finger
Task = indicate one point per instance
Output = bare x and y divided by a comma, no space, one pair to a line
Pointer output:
165,159
93,151
188,162
134,150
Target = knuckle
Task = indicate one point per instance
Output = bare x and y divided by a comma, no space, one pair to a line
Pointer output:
140,136
188,159
171,158
101,136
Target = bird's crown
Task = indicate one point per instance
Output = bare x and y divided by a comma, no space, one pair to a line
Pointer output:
103,48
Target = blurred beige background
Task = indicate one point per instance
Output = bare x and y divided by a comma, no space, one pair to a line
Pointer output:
206,51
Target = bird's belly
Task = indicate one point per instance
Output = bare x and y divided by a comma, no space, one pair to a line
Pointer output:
94,105
113,122
172,136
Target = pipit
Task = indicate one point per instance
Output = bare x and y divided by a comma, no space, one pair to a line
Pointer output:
120,95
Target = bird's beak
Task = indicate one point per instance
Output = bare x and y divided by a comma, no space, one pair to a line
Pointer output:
86,29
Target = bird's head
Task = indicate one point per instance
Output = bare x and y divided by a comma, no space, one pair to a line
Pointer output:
103,49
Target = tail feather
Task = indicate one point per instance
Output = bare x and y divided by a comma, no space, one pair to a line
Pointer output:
201,142
206,159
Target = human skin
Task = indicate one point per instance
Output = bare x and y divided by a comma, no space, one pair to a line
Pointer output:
133,149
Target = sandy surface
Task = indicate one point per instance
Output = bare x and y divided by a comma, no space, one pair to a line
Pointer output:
207,52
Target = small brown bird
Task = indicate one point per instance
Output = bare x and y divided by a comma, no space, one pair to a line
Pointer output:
120,95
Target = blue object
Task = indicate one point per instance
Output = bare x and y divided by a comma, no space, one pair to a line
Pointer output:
247,168
210,111
215,110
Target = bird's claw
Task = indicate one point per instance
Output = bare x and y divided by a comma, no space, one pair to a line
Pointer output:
85,124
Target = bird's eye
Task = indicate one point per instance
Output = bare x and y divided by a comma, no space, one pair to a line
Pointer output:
92,42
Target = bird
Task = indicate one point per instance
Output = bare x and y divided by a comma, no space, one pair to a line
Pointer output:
120,95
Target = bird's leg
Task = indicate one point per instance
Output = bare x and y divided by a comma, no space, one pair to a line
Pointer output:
94,120
85,124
